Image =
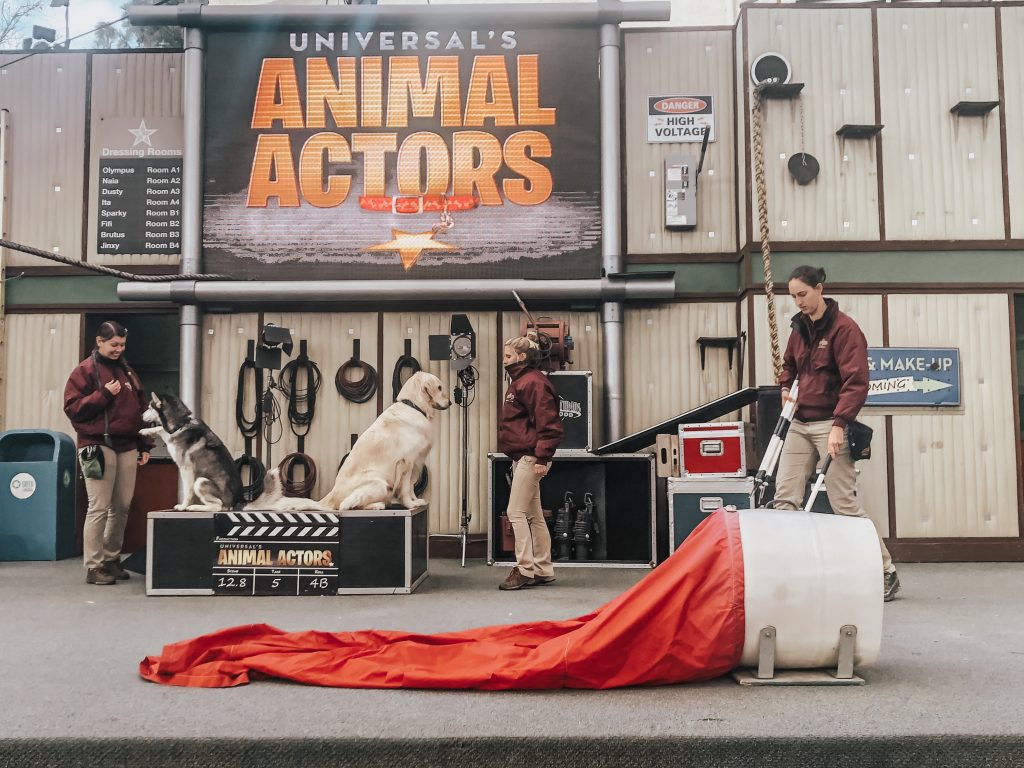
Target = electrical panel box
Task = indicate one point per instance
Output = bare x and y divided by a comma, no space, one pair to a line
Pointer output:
680,192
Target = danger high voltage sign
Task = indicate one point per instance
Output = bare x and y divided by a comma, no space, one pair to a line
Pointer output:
679,118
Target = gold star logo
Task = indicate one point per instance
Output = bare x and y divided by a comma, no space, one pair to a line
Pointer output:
410,244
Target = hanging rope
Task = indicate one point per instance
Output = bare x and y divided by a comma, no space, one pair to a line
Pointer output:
762,217
105,270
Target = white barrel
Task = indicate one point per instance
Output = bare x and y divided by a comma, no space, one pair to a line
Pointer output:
808,574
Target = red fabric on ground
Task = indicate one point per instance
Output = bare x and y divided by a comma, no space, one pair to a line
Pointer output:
681,623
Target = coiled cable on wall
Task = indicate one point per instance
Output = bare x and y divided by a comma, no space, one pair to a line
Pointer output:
301,410
404,363
301,401
257,474
297,489
356,389
248,427
421,485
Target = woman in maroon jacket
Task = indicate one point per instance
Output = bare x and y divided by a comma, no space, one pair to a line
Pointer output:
827,351
104,400
529,431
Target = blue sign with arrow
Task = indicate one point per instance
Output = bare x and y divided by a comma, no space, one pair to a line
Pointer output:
913,377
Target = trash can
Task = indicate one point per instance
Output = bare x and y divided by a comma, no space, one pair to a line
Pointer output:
37,495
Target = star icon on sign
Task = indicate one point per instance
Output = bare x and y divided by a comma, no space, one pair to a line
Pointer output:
142,134
410,244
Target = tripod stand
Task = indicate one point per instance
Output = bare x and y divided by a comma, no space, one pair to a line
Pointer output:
774,450
464,394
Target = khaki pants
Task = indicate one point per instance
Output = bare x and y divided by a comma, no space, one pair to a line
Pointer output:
533,542
109,499
805,443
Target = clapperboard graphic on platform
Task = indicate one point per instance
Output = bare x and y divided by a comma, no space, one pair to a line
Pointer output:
275,553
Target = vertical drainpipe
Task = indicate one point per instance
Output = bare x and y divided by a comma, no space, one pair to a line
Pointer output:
192,215
611,234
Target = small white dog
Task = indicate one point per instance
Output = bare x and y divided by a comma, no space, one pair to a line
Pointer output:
388,457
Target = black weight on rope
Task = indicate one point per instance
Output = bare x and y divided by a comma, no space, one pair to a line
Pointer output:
803,167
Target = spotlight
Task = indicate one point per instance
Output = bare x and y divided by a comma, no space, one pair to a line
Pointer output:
44,33
459,346
273,341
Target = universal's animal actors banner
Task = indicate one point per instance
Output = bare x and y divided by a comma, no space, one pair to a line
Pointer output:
362,153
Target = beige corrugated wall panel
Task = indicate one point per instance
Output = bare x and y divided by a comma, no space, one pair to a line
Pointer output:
784,310
740,119
329,338
671,63
133,85
956,473
830,51
663,374
224,346
930,59
872,483
444,489
41,352
46,98
587,355
1013,92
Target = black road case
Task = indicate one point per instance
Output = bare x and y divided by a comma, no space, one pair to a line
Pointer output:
623,488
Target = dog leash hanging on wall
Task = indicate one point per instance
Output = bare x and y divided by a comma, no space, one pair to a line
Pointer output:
301,410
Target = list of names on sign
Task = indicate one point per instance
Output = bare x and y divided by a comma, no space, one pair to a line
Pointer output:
139,206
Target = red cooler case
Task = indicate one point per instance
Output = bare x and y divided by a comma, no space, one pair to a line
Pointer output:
715,449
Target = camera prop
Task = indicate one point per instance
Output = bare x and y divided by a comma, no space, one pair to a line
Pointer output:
552,336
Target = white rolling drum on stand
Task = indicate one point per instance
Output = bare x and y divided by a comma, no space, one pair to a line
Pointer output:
813,597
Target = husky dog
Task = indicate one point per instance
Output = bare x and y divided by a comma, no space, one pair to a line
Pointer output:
208,472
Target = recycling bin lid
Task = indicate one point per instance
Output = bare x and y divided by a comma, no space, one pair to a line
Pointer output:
18,445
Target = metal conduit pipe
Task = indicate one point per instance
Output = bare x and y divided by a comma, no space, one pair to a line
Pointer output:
640,287
543,14
614,360
190,317
192,214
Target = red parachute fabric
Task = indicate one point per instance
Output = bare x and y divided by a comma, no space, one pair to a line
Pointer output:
683,622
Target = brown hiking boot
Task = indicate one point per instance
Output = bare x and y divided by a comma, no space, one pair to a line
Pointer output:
99,576
540,581
114,568
515,580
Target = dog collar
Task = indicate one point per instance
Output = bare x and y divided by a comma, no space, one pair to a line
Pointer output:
413,405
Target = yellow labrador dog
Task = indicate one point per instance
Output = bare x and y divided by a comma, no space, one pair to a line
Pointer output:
388,457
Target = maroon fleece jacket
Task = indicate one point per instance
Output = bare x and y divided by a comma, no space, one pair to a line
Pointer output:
85,404
529,423
830,357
